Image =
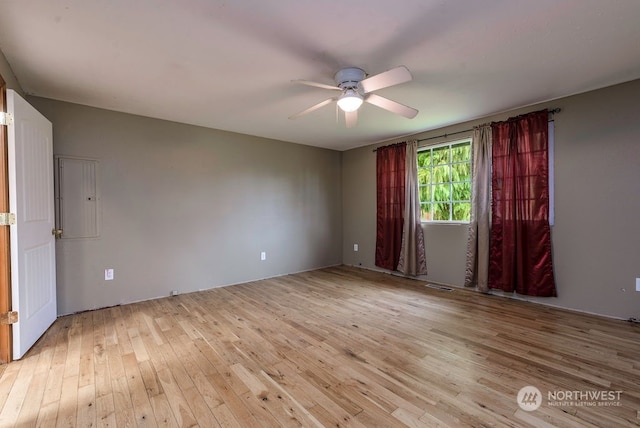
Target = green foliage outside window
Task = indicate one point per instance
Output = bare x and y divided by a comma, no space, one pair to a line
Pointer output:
444,179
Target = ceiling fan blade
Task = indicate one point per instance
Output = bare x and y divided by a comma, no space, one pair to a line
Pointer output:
315,84
351,118
392,106
312,108
385,79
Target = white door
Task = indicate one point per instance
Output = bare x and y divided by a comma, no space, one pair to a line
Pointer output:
31,199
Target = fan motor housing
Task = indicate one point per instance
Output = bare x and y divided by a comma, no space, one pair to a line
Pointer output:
348,78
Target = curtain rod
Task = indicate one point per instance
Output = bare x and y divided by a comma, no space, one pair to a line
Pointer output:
552,111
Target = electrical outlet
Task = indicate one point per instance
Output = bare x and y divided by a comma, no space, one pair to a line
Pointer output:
108,274
174,293
355,247
263,255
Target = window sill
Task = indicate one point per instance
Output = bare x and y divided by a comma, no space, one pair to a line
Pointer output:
446,223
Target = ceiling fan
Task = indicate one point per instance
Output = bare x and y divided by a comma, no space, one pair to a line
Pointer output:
357,88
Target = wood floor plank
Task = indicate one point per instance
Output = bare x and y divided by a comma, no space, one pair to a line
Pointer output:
141,405
320,401
178,403
47,415
86,370
122,403
202,413
18,405
68,405
102,374
86,416
339,347
34,398
292,407
7,381
225,417
74,344
105,411
162,411
244,416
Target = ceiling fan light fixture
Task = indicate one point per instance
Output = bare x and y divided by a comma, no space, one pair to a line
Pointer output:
350,101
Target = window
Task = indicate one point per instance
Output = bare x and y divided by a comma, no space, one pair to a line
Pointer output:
444,179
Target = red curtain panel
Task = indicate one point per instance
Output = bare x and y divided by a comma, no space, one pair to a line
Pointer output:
520,249
390,185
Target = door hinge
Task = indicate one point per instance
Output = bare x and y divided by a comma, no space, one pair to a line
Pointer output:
9,317
7,219
6,118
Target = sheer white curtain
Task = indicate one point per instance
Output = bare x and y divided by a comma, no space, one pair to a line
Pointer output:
477,269
413,260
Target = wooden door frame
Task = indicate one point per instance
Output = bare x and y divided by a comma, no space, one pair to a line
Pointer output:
5,249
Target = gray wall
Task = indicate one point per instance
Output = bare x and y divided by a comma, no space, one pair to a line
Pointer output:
596,237
188,208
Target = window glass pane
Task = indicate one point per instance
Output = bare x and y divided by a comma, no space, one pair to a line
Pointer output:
441,192
461,172
441,211
442,174
461,211
425,193
441,155
461,152
425,212
461,191
424,158
424,176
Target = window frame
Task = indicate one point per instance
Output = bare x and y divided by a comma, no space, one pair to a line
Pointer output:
450,145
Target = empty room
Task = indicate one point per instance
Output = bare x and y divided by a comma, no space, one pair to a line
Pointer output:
313,214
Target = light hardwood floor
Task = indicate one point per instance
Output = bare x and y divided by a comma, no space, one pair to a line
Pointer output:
334,347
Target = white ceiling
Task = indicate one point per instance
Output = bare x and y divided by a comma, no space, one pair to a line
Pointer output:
228,64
